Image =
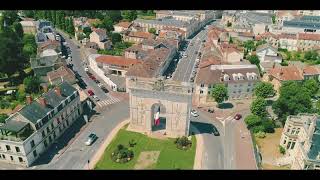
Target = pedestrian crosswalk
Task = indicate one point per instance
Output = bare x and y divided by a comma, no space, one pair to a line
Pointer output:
106,102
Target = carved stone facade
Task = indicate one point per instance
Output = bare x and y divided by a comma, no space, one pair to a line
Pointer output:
173,98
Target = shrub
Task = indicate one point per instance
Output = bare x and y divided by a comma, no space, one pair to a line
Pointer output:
122,154
260,134
132,143
183,143
3,117
257,129
282,150
268,126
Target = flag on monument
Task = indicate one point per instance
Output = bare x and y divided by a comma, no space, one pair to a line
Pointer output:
157,118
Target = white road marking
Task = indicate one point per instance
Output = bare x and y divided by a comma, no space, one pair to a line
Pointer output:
109,101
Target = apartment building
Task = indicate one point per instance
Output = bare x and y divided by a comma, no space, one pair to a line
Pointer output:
31,131
240,81
301,137
310,24
99,36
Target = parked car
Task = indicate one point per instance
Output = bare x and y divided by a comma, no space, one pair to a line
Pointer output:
215,131
194,113
100,85
86,69
104,89
237,116
89,74
96,81
92,137
211,110
90,92
95,97
92,77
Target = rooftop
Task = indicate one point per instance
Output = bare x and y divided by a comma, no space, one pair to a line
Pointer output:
315,143
286,73
117,60
124,24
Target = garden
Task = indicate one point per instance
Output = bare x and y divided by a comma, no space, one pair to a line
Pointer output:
132,150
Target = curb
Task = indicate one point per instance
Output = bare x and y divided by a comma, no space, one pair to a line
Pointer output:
97,156
199,151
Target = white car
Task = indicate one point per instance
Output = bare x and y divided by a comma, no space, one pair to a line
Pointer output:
92,137
95,97
194,113
100,85
86,69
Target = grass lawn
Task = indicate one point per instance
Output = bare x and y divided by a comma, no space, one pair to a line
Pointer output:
269,148
170,156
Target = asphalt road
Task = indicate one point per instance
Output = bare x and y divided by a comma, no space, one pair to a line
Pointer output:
76,154
186,65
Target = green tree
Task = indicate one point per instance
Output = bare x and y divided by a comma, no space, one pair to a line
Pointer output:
130,15
29,46
17,27
115,15
107,24
253,59
311,55
3,118
152,30
230,40
268,126
69,26
294,98
264,89
252,121
10,17
219,93
258,107
32,84
249,45
273,19
115,38
311,86
87,31
29,13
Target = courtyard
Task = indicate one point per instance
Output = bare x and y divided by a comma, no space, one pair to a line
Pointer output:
149,153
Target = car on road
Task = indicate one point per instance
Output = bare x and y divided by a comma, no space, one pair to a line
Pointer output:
86,69
89,74
96,81
91,138
215,131
194,113
100,85
92,77
95,97
90,92
104,89
237,116
211,110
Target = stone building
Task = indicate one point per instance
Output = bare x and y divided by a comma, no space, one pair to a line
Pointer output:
300,137
31,131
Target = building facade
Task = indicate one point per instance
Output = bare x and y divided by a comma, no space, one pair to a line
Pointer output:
31,131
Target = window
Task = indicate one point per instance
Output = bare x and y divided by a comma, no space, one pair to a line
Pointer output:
11,158
45,143
50,139
52,127
54,134
32,144
17,149
248,90
48,130
43,134
292,146
284,142
201,92
35,153
289,144
3,156
67,122
201,85
288,129
8,148
58,120
20,159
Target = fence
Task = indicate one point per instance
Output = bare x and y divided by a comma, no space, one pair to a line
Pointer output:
256,151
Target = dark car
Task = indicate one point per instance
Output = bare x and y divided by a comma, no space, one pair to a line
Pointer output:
237,116
104,89
210,110
89,74
90,92
215,131
97,81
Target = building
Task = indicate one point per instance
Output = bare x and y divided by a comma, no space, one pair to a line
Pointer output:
300,137
28,133
240,81
288,41
47,61
60,75
268,56
50,44
278,75
270,38
137,36
285,15
230,53
308,41
122,26
302,24
41,38
311,72
99,36
29,26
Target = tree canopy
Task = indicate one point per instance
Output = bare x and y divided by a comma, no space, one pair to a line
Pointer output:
129,14
152,30
311,86
254,59
264,89
258,107
219,93
32,84
115,38
294,98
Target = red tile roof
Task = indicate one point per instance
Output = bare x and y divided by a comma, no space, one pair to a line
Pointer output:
61,72
312,37
140,34
311,70
287,36
99,31
117,60
124,24
288,73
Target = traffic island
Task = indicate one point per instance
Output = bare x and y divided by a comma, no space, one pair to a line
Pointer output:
149,153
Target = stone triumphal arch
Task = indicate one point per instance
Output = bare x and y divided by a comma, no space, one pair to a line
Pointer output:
171,99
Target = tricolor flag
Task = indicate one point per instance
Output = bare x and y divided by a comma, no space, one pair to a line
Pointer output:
157,118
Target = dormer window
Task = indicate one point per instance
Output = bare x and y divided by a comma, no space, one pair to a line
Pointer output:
201,85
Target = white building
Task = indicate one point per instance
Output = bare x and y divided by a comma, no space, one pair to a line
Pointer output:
28,133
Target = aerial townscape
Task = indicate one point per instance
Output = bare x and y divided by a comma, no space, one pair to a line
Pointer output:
160,89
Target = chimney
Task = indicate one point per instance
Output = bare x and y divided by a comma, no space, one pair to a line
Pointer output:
45,88
43,102
29,99
58,91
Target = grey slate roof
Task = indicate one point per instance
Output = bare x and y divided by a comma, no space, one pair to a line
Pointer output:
315,144
35,111
14,126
